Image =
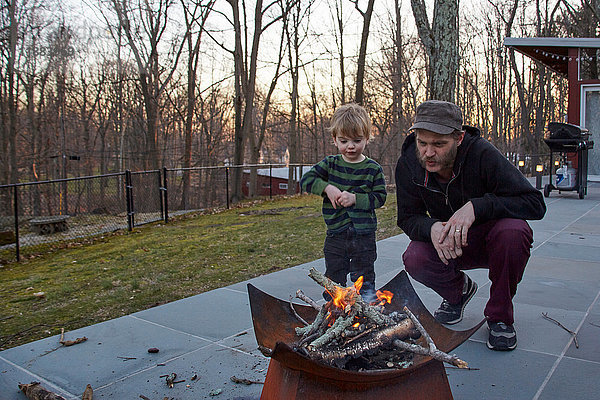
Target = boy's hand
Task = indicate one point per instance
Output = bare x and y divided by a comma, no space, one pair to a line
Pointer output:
333,194
346,199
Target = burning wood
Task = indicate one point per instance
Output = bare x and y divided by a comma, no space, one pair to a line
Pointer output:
350,333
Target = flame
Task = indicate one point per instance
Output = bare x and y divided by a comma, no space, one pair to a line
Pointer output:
358,284
384,297
356,325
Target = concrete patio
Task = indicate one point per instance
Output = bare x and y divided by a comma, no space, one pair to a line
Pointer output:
210,336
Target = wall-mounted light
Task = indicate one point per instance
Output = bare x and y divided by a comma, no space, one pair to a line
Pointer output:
539,168
521,163
556,163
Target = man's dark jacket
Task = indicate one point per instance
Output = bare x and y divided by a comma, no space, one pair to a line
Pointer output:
482,175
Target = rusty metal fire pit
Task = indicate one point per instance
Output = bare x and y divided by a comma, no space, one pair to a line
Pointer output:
294,376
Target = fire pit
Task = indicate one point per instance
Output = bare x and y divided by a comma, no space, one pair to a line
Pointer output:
292,375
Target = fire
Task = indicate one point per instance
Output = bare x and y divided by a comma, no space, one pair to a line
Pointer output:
384,296
342,297
358,284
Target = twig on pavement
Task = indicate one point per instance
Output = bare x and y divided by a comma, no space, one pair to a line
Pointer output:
545,315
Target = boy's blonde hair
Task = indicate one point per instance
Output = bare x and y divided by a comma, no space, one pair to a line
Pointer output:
351,121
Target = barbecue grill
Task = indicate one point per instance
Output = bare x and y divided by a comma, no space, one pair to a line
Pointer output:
571,144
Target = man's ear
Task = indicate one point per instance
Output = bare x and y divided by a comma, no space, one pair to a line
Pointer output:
460,138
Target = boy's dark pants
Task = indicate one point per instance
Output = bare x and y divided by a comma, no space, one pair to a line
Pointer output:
502,246
348,252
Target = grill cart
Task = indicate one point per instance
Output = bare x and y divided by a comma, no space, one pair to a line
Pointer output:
571,144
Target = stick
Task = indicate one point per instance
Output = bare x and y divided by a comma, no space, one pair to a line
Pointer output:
545,315
35,391
311,328
381,338
322,280
296,314
300,294
88,394
432,351
72,342
235,379
69,342
340,324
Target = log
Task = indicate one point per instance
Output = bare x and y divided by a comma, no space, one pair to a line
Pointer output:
339,326
35,391
381,338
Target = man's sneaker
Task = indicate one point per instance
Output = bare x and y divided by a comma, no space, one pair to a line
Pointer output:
502,337
450,314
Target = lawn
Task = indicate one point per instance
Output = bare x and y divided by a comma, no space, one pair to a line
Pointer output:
84,283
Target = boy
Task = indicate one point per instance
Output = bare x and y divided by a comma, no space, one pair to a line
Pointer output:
352,186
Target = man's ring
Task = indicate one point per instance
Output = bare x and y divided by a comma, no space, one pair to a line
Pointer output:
457,229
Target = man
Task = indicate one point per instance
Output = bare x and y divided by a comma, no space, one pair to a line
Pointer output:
464,206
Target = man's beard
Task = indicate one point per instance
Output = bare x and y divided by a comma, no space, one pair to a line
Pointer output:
445,162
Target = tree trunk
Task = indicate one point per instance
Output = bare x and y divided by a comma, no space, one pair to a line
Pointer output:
441,45
362,54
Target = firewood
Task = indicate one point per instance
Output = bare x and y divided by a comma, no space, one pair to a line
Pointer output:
340,324
311,328
296,314
381,338
300,294
35,391
432,351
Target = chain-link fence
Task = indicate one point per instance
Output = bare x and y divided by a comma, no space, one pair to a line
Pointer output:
41,213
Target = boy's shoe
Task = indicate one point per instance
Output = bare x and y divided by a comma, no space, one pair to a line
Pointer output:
450,314
502,337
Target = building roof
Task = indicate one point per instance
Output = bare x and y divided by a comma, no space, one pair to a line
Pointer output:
279,172
551,51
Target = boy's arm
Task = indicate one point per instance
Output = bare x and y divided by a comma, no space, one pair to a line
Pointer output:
316,179
370,197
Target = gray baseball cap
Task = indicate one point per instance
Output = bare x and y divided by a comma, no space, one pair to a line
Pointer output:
438,116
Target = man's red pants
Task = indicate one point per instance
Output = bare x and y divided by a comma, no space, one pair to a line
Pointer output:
502,246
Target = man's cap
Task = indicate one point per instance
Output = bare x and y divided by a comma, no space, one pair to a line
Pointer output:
438,116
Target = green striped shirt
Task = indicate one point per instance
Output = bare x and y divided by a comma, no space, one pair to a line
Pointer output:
364,179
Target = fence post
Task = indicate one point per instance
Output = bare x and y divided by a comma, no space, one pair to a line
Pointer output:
165,193
270,181
16,207
160,195
227,185
129,196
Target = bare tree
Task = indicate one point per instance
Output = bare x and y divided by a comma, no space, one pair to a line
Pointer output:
194,18
144,24
245,66
440,41
362,53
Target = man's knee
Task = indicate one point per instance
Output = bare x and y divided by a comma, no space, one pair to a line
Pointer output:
416,256
511,232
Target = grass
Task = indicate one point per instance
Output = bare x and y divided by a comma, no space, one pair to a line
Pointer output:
114,275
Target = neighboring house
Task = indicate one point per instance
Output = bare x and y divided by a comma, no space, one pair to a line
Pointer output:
278,177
